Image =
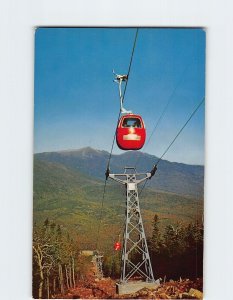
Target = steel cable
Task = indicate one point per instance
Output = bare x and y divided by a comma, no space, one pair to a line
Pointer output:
110,154
123,97
179,132
163,113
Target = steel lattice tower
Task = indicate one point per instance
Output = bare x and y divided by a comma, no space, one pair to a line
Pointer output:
98,262
134,243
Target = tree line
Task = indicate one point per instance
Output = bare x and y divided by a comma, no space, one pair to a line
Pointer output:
176,251
57,263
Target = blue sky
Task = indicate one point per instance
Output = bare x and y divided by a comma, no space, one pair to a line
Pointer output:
77,102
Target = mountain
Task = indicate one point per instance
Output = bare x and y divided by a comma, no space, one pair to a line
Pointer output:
75,200
173,177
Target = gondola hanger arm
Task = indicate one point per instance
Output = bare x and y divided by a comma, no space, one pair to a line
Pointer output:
119,79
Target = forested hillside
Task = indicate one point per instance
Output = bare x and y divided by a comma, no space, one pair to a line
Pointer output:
74,199
67,211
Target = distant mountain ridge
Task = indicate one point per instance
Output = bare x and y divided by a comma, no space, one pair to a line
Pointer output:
170,177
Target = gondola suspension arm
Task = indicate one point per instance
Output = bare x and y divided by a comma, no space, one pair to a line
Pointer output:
119,79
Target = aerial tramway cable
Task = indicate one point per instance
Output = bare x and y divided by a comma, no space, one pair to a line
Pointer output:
101,214
162,113
129,69
110,154
172,142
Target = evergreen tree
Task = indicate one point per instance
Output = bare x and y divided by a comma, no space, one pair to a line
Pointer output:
156,239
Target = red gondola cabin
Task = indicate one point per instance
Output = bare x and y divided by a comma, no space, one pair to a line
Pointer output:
117,246
131,132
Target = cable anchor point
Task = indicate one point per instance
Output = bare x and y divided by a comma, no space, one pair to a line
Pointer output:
107,173
152,172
